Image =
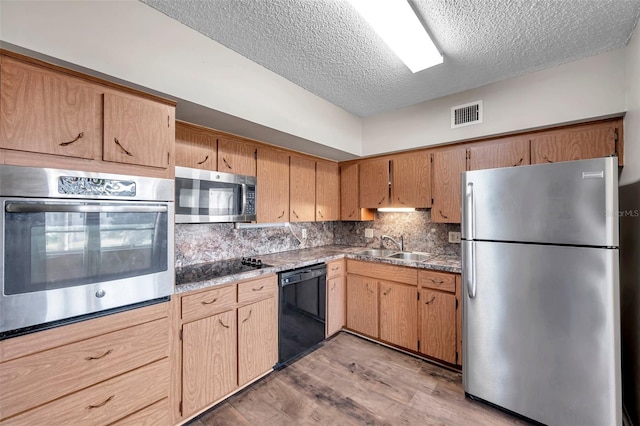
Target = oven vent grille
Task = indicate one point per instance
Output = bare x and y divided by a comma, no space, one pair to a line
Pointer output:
466,115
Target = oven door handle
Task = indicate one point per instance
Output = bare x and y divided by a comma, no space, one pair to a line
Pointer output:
13,207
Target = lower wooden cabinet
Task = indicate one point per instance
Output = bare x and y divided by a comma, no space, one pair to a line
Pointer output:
438,325
336,297
362,305
398,314
257,339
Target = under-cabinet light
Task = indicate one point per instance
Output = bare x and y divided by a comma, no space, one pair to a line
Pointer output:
396,209
399,27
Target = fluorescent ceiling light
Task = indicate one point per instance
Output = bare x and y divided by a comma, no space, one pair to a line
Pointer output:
396,209
399,27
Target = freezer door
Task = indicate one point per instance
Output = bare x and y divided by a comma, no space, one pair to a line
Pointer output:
541,332
573,202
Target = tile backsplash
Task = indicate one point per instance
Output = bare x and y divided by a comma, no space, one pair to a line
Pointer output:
200,243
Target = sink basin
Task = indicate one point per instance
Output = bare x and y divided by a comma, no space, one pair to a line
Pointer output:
375,252
408,256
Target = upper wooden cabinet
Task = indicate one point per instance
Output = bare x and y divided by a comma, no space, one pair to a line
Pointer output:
238,157
349,194
137,131
196,147
273,185
507,152
327,191
374,183
302,189
446,168
411,180
577,143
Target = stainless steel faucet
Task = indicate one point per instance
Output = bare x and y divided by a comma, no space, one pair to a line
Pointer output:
400,244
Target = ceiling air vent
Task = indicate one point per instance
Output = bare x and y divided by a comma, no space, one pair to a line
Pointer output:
467,114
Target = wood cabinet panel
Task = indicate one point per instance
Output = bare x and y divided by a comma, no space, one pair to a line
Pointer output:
138,131
209,360
105,402
411,180
437,280
399,314
237,157
196,147
153,415
577,143
48,375
261,288
349,194
207,303
459,319
374,183
362,305
48,112
446,168
508,152
383,271
327,191
257,339
273,190
336,304
336,268
438,325
302,189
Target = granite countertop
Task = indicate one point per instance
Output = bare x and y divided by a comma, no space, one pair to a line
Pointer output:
194,277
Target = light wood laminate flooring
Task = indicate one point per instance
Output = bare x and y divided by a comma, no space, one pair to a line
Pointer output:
352,381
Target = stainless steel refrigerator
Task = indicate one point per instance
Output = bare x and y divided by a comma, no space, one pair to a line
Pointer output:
541,291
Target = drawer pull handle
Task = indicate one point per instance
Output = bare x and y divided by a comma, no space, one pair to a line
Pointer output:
437,282
257,289
102,404
430,301
387,292
351,214
280,217
222,324
248,316
208,303
335,269
443,215
80,135
91,358
203,161
224,160
122,147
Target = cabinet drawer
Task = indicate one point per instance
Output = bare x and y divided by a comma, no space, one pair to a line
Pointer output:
208,303
154,415
335,268
105,402
437,280
251,291
383,271
51,374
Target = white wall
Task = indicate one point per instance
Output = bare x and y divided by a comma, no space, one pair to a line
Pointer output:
588,88
134,42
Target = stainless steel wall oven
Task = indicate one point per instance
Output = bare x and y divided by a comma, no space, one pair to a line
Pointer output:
79,243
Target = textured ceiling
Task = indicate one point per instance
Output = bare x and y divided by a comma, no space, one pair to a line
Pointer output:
326,48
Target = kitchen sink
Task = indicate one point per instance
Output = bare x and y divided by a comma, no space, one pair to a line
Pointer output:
408,256
376,252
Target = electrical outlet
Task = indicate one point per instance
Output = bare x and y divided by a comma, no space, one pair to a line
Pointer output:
368,233
454,237
304,234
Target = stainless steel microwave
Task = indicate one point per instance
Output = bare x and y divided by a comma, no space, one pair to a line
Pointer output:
205,196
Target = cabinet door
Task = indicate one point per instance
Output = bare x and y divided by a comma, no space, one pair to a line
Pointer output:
236,157
438,325
459,319
327,191
349,194
579,143
362,305
257,339
446,169
508,152
273,186
411,180
302,190
336,304
399,314
137,131
48,112
374,183
209,360
196,147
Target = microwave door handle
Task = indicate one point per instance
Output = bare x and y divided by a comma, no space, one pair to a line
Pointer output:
13,207
243,207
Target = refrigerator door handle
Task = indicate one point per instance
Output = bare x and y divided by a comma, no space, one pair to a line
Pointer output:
470,268
470,216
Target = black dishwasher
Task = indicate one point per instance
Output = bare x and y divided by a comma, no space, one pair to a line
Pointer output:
302,311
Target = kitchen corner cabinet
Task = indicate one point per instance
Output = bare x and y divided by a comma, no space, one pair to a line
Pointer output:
196,147
507,152
272,198
336,297
446,166
110,369
237,157
349,195
374,183
302,189
327,191
411,180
